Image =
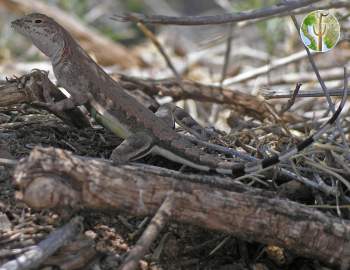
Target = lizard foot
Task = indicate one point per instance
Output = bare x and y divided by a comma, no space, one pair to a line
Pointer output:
132,148
49,106
116,160
41,104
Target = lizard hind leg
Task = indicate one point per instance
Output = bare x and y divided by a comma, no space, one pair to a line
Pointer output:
132,148
172,114
165,112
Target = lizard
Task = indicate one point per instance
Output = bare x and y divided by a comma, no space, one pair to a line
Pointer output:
143,132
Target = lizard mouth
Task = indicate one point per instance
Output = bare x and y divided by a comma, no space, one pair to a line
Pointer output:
19,25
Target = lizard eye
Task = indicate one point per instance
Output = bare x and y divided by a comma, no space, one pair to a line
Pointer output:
38,21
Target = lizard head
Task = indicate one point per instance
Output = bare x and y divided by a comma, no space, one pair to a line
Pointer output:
44,32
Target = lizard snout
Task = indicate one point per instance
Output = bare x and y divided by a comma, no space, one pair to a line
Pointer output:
20,26
17,23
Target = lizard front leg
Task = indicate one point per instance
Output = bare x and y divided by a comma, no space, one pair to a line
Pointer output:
49,98
132,148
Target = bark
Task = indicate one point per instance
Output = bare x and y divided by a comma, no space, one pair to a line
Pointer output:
51,178
28,89
242,102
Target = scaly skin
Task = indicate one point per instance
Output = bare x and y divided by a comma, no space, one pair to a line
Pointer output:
145,133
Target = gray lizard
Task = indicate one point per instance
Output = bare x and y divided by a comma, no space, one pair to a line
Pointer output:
143,132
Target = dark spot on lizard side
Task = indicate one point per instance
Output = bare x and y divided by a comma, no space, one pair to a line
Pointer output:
238,170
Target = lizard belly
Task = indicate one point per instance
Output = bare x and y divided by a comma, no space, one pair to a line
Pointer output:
107,120
177,158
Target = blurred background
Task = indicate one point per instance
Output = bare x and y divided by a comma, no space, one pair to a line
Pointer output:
266,56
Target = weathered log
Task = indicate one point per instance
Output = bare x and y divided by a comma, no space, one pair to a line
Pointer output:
242,102
28,89
52,178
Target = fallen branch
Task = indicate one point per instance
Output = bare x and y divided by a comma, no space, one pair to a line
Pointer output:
75,255
275,64
332,74
28,89
244,103
272,94
38,254
45,180
217,19
149,235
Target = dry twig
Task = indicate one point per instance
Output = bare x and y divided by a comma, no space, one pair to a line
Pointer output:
218,19
160,48
291,101
38,254
149,235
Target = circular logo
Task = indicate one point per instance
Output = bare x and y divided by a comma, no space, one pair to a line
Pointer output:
320,31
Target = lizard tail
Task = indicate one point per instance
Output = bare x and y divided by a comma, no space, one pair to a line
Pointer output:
195,158
243,169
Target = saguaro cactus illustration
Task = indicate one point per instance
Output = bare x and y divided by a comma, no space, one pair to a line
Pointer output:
321,30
